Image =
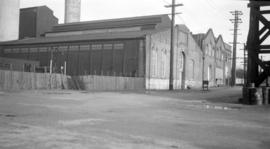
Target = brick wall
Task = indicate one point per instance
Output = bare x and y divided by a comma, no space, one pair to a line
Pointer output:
187,60
158,60
209,48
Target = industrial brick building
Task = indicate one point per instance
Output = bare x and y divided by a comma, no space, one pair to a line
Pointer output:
216,58
35,21
130,47
187,60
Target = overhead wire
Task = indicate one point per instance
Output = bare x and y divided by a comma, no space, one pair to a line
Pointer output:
167,3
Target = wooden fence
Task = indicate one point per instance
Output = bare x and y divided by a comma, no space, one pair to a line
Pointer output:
15,80
109,83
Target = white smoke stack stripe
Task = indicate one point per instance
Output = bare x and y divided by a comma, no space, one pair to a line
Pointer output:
72,11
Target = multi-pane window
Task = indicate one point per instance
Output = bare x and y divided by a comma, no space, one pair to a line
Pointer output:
118,46
96,46
107,46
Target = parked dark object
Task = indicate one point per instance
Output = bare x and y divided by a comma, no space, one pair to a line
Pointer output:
205,85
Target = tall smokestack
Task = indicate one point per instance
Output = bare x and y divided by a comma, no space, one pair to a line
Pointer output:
9,19
72,11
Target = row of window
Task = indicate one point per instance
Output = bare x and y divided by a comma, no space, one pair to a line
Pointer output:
116,46
209,50
5,66
109,57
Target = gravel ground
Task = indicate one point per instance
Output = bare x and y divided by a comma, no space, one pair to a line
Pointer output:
190,119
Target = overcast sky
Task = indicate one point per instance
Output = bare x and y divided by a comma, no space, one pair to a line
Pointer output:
198,15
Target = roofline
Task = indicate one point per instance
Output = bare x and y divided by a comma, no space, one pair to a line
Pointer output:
113,19
210,30
34,7
222,41
64,42
206,34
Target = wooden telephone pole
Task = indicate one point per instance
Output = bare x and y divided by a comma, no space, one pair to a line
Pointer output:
173,5
236,22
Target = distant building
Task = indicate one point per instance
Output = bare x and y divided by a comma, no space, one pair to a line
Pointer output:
35,21
133,47
216,58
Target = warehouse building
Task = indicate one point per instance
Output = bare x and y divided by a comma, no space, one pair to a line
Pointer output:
216,58
127,47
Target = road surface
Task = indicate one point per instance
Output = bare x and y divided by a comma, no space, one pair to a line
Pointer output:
125,120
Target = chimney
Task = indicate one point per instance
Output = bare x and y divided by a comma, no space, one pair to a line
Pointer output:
9,19
72,11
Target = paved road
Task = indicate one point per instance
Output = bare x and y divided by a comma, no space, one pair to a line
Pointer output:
106,120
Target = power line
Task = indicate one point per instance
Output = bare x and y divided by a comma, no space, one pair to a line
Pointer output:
166,2
177,14
181,19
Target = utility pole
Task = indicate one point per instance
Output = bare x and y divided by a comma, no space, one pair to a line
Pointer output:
245,65
236,22
173,5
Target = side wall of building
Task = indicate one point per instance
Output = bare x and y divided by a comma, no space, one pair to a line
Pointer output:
35,21
220,63
45,20
157,60
209,47
28,23
228,65
193,65
187,61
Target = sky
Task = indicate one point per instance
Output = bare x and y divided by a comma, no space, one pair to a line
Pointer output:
197,15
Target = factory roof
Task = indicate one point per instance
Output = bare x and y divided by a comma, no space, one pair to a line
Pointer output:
152,22
75,38
201,36
158,22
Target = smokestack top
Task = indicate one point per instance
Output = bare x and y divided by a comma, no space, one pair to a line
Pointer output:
72,11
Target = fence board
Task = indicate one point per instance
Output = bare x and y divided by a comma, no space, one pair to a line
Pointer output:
15,80
111,83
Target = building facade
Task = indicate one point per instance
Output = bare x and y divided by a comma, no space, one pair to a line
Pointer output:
216,58
130,47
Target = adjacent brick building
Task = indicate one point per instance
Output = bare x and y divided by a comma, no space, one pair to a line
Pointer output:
216,58
35,21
